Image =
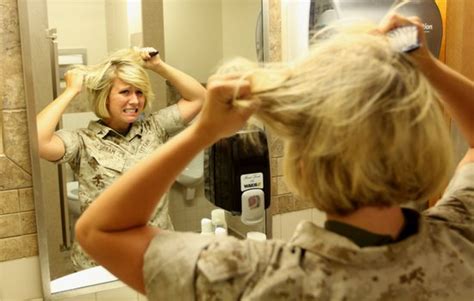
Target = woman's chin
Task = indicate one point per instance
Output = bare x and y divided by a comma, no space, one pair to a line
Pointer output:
131,118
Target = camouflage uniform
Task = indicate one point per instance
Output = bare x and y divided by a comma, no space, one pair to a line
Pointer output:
437,263
98,155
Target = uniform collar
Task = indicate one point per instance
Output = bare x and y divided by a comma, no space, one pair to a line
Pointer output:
101,130
338,248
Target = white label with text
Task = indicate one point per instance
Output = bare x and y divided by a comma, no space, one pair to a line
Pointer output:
251,181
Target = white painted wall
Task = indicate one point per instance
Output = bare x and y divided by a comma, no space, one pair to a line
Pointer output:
116,17
193,42
91,34
239,21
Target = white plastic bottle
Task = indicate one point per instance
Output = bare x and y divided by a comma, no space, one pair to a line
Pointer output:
218,218
258,236
206,227
220,231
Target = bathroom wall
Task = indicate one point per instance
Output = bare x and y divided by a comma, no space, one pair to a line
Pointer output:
17,219
189,49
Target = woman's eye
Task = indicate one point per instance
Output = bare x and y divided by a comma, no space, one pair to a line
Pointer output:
125,92
139,93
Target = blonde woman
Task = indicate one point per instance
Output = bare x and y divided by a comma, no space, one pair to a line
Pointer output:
364,134
120,92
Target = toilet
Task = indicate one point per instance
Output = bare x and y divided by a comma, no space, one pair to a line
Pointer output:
192,175
73,199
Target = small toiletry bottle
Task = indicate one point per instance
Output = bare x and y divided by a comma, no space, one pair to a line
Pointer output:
258,236
218,218
206,227
220,231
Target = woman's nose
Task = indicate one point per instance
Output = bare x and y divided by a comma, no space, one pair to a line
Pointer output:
133,98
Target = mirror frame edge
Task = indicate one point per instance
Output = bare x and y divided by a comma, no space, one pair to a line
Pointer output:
265,11
25,19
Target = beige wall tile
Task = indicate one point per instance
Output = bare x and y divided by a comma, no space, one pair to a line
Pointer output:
275,30
26,199
18,247
9,202
29,245
273,167
279,166
274,188
301,204
276,147
10,225
11,176
286,203
12,91
282,188
15,138
28,222
274,209
10,248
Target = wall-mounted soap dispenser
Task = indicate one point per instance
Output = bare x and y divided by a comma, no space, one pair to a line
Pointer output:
237,176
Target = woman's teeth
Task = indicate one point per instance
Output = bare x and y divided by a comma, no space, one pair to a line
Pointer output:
130,110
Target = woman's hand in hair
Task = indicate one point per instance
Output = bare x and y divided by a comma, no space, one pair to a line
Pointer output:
228,106
393,21
74,80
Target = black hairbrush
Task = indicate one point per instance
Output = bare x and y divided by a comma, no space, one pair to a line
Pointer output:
153,53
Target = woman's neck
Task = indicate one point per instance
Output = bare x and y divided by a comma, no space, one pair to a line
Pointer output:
121,128
379,220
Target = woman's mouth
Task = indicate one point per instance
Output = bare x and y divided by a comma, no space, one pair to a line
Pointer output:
130,110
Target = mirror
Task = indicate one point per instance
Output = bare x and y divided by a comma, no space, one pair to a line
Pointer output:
194,36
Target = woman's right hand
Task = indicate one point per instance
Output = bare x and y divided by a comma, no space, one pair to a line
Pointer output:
74,80
220,117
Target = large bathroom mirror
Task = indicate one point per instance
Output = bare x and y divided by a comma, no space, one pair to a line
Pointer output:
194,36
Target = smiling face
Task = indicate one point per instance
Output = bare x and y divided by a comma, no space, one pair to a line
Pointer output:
124,104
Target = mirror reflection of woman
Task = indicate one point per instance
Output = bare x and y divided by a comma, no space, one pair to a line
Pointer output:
120,94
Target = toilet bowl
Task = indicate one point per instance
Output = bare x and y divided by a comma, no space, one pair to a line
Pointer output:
73,198
192,175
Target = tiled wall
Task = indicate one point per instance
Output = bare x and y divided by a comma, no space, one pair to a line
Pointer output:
283,201
17,219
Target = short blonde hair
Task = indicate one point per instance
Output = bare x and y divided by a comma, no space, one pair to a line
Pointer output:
361,124
124,64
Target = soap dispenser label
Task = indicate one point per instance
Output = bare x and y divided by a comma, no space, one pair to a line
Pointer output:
251,181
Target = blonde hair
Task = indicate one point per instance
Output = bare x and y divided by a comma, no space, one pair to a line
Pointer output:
361,124
125,64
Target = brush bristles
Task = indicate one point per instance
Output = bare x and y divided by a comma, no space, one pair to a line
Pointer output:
404,39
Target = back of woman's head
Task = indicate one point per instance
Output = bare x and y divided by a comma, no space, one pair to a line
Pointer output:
126,65
362,126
